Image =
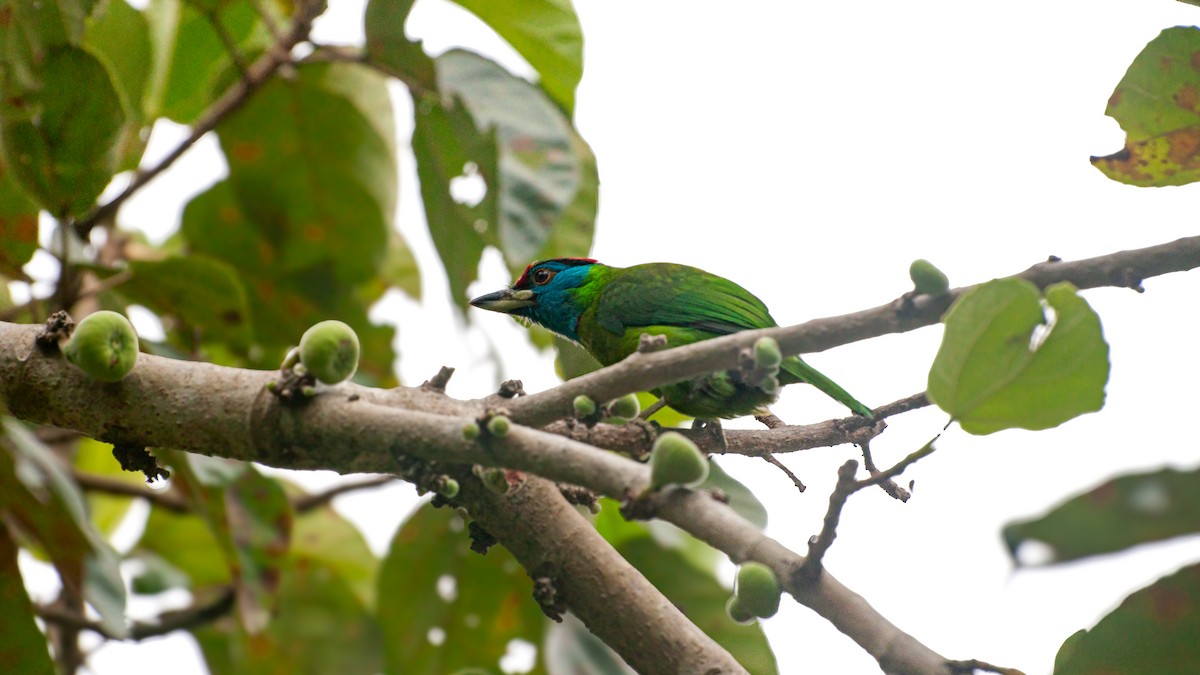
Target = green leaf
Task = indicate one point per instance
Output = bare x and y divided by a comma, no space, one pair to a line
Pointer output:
444,142
251,520
741,499
187,544
1153,631
284,304
1122,512
312,159
572,648
1157,103
388,47
197,67
23,649
202,293
541,164
61,139
42,500
18,226
540,175
431,581
992,372
320,627
324,537
702,598
546,33
119,36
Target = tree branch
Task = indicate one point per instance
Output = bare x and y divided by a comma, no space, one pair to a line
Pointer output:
206,408
642,371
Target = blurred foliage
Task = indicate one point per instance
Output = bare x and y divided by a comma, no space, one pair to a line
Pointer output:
303,229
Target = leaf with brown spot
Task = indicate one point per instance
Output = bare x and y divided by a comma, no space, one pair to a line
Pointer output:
1153,631
1157,103
1116,515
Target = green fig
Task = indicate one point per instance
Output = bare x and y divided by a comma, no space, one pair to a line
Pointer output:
104,345
447,487
584,406
766,354
498,426
329,350
757,589
927,279
627,406
675,459
737,611
470,431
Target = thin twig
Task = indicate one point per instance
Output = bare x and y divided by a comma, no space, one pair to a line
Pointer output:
810,570
166,499
900,466
970,666
772,460
888,485
95,289
315,500
195,615
231,48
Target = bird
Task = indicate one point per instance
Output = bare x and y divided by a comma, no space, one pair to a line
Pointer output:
606,309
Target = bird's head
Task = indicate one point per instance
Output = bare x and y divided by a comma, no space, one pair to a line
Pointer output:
552,293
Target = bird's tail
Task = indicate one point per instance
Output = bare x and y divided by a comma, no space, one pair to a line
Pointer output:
799,371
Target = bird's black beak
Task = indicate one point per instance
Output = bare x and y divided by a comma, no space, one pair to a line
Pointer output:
505,300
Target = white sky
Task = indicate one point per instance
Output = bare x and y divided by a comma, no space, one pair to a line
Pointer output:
810,151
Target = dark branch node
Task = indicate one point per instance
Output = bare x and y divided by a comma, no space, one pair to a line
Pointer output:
511,389
545,591
481,539
58,327
135,457
579,496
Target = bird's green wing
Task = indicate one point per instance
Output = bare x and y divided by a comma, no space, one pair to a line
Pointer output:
665,294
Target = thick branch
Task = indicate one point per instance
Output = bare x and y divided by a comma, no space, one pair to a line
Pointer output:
641,372
225,411
630,614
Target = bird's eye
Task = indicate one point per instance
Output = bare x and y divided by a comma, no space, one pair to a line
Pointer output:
541,277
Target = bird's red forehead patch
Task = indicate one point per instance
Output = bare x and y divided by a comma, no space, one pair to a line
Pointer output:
523,280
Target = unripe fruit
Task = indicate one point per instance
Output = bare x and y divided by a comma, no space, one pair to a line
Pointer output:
737,611
927,279
447,487
104,345
498,426
627,406
584,406
766,353
676,459
757,589
329,350
470,431
495,480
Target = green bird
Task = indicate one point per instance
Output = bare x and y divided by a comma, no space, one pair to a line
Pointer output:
607,309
